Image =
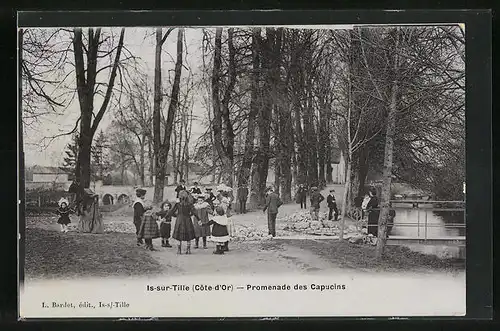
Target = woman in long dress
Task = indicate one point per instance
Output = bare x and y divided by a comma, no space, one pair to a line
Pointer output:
184,229
373,212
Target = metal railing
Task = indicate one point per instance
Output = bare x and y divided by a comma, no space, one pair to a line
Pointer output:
455,206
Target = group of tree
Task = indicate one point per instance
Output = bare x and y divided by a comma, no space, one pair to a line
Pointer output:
392,99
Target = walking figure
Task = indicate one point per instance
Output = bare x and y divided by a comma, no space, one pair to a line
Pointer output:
301,196
242,198
273,203
316,199
332,206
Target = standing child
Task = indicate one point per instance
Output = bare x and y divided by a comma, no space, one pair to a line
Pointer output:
165,223
63,211
149,230
220,234
184,228
201,228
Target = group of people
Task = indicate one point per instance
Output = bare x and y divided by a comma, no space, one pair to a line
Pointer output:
316,198
198,215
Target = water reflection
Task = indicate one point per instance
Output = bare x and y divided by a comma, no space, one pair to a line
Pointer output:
435,223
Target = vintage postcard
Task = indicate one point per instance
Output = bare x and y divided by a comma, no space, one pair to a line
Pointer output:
243,171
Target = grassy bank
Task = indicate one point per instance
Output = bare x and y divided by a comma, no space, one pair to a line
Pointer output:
51,254
362,257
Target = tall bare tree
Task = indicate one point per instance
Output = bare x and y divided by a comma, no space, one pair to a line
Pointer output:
162,145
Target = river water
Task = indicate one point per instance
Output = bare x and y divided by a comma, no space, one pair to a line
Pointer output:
436,228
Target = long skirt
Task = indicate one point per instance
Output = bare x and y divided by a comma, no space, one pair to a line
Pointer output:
183,229
165,228
149,228
202,230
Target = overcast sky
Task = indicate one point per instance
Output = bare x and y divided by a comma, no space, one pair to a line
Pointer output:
140,41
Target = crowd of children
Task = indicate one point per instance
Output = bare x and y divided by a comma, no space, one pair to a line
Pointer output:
197,215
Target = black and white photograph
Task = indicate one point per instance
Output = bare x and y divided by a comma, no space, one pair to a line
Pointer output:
243,171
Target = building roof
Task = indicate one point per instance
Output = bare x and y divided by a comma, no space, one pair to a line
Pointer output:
47,170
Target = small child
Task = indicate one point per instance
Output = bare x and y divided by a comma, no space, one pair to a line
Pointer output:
165,223
220,234
201,228
149,230
63,211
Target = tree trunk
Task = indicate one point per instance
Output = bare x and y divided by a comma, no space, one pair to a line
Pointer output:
162,148
388,152
151,162
345,200
246,164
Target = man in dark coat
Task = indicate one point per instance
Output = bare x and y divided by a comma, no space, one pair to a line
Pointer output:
242,198
301,196
273,202
180,187
332,205
316,199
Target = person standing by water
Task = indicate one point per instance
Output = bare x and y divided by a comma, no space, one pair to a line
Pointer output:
242,198
316,199
184,229
332,206
180,187
139,209
273,203
373,212
301,196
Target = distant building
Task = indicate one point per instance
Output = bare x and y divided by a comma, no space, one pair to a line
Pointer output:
42,174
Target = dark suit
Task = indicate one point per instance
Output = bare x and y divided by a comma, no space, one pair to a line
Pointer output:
332,206
242,198
273,202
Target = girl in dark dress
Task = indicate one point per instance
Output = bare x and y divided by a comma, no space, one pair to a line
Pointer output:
165,223
372,213
202,230
220,235
63,211
184,229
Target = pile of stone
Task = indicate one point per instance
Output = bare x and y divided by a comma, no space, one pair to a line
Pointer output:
301,222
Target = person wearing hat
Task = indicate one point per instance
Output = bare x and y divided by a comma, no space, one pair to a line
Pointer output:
332,205
180,187
63,211
316,199
195,190
302,196
210,197
139,209
273,202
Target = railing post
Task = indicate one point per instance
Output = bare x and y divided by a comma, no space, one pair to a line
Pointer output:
425,238
418,223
